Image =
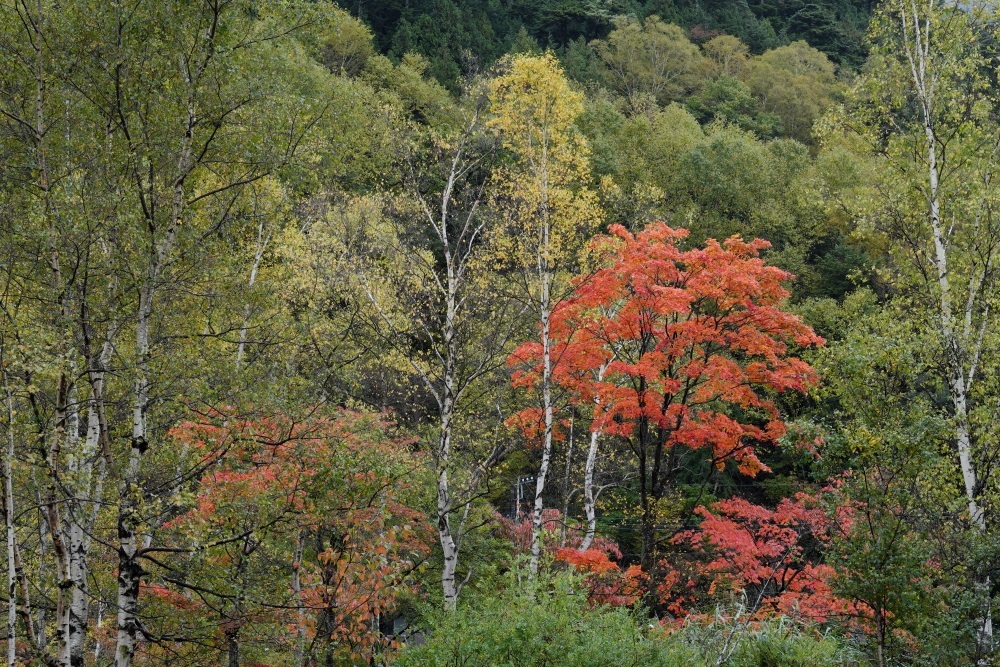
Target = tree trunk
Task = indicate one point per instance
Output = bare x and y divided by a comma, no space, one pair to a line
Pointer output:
262,243
588,490
449,548
566,489
43,550
545,313
300,611
959,349
8,512
589,500
82,511
449,544
880,636
129,510
66,427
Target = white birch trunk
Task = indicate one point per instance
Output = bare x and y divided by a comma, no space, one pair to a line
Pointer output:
589,499
87,488
446,382
11,537
545,278
588,491
100,624
129,568
447,398
68,428
262,242
449,548
959,348
545,313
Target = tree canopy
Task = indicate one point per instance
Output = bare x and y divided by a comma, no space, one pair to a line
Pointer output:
561,333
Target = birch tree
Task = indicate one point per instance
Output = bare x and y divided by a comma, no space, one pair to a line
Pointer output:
926,115
130,134
414,267
547,211
8,513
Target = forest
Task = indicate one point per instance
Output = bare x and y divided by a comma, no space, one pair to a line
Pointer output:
569,333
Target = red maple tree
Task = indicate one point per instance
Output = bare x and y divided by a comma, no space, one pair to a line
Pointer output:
297,533
774,557
694,344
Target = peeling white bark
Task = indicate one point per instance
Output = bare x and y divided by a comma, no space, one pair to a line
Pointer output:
458,234
545,312
961,346
11,537
589,497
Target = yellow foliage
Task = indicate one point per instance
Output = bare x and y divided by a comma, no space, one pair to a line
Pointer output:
542,193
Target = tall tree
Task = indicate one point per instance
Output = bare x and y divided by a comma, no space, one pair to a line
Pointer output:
649,61
546,207
417,263
926,118
694,342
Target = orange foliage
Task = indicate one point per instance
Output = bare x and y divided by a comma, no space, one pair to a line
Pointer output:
685,334
773,555
606,582
328,483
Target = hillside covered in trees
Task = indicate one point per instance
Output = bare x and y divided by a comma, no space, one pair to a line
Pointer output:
575,333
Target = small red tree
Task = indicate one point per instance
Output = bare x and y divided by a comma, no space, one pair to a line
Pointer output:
773,556
693,343
598,561
297,536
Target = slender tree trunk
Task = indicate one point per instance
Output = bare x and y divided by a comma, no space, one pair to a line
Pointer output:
880,636
918,49
88,489
8,511
589,500
43,551
449,541
449,547
129,510
545,312
588,490
66,428
566,489
233,650
457,235
100,624
262,243
300,611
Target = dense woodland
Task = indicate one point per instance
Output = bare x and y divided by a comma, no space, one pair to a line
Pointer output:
463,332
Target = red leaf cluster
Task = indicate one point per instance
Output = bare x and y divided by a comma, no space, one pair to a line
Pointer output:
683,336
329,483
772,555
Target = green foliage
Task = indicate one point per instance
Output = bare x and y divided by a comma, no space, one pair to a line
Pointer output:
893,434
545,622
648,60
462,36
729,100
776,646
299,258
549,623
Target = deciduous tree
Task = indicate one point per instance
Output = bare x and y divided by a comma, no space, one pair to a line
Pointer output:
696,344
